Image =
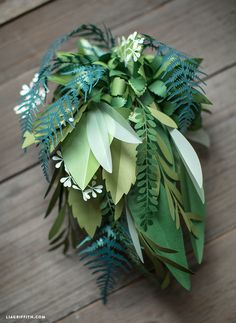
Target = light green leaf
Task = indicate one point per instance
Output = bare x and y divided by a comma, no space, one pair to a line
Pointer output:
163,118
123,173
190,160
158,88
134,235
60,79
78,156
87,213
118,209
138,85
117,126
29,139
200,136
118,102
118,86
98,138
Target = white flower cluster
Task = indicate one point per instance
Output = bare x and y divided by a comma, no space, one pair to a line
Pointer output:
67,181
25,90
130,49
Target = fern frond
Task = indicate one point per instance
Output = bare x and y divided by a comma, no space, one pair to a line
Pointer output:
107,258
181,78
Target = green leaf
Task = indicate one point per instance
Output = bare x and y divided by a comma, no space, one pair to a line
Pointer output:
118,102
163,232
123,173
138,85
200,136
158,88
29,139
118,86
60,79
98,138
164,149
134,235
78,156
118,209
163,118
193,204
58,223
201,98
87,213
54,199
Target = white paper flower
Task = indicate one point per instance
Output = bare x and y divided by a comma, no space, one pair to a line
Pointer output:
58,158
130,49
66,181
93,190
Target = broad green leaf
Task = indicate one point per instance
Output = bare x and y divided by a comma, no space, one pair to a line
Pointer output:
134,235
138,85
87,213
58,223
117,126
98,138
164,149
193,204
163,118
163,232
118,102
123,173
158,88
200,136
60,79
118,86
78,156
201,98
29,139
190,160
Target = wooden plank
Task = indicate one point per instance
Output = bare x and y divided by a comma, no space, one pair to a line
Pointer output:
185,35
212,299
65,283
25,40
10,9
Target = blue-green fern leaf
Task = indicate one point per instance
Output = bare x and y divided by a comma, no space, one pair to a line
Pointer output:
107,258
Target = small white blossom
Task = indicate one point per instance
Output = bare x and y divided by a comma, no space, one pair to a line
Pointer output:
130,49
58,158
93,190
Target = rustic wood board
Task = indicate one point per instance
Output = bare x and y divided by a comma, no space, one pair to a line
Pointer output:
10,9
25,40
220,20
66,285
212,299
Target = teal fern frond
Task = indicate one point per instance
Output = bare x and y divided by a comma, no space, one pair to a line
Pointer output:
106,258
147,167
182,78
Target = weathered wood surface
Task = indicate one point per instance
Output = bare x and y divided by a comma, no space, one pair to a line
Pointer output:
66,285
35,281
192,35
10,9
212,299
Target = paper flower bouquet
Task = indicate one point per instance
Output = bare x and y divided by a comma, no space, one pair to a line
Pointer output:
113,117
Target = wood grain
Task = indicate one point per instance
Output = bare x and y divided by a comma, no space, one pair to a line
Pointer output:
188,34
10,9
212,299
25,40
66,285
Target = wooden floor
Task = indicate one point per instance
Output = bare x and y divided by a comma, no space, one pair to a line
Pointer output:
33,281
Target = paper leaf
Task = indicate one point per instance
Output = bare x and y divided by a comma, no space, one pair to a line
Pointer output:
118,86
163,233
29,139
98,138
77,155
58,223
118,102
138,85
87,213
163,118
123,173
134,235
193,204
158,88
118,209
200,136
117,126
190,160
